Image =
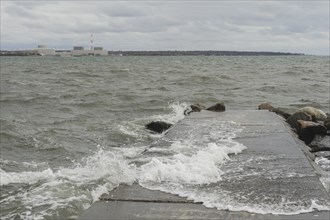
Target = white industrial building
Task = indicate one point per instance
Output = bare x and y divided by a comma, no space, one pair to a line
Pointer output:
43,50
96,51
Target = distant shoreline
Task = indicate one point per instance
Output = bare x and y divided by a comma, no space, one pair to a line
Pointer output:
166,53
200,53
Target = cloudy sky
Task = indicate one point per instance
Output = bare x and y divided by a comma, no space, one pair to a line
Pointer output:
259,25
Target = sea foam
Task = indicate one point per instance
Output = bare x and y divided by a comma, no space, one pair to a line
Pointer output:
193,157
82,184
202,167
193,167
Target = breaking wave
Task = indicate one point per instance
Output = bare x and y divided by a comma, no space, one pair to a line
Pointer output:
73,188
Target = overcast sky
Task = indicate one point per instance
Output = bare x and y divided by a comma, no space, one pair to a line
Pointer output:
285,26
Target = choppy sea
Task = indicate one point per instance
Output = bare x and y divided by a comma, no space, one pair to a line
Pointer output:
72,128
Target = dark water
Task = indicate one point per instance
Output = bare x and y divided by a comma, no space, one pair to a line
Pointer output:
69,126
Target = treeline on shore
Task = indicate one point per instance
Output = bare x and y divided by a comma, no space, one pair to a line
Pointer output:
199,53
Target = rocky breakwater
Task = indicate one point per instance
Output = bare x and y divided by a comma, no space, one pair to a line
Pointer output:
312,126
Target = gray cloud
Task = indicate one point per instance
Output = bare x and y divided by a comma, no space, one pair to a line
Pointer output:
297,26
122,9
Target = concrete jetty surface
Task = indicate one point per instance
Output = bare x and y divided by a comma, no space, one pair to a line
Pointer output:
286,171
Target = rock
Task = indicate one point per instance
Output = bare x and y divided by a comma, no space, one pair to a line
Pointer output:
309,129
17,217
282,113
306,124
325,154
320,143
158,126
197,107
219,107
317,114
293,119
326,123
266,106
194,108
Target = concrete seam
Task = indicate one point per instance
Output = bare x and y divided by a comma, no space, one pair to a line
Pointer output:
149,201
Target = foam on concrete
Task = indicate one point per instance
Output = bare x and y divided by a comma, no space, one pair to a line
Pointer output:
288,173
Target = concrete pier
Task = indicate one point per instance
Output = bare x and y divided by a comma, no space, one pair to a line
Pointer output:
285,170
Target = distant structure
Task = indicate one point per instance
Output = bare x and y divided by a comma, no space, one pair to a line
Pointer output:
94,51
91,41
43,50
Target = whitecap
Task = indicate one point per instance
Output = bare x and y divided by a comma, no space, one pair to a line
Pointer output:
77,186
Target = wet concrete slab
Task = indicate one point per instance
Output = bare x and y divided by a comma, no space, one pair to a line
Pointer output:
275,165
136,202
136,193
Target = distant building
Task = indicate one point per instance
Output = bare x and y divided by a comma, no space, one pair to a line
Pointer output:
80,51
43,50
78,48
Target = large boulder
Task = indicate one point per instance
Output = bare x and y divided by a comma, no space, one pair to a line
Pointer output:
158,126
265,106
307,130
325,154
293,119
320,143
278,111
281,112
316,114
219,107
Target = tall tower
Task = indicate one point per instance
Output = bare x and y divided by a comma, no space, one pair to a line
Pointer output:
92,42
